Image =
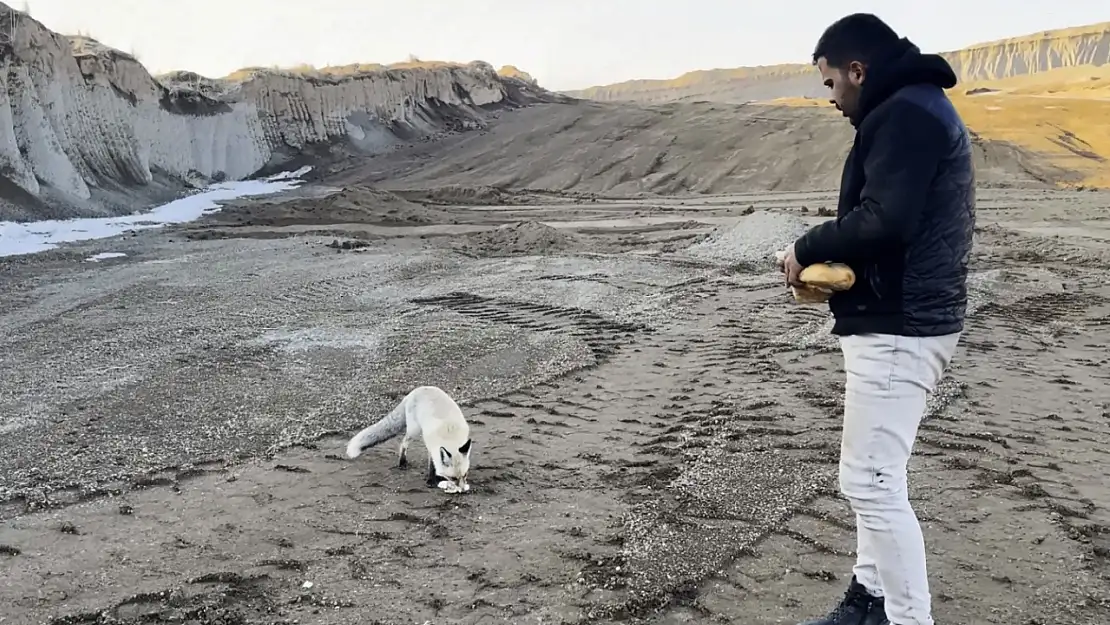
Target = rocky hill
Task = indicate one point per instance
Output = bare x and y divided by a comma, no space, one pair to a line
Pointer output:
1006,58
86,130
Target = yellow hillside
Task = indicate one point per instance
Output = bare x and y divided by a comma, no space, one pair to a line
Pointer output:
1063,115
1072,133
1081,81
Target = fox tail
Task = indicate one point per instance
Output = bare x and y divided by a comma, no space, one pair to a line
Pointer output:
389,426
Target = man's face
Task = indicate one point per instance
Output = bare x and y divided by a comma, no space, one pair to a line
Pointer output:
844,84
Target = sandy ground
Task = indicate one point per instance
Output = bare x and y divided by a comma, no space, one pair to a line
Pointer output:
656,424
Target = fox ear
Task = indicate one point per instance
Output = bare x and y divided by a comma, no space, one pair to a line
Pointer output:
465,449
444,455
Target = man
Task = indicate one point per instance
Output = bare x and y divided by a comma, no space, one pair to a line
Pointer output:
904,224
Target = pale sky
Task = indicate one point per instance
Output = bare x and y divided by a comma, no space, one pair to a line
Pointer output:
565,44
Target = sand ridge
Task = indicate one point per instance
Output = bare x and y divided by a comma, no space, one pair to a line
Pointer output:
618,150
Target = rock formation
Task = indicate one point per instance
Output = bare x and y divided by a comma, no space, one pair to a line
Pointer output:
1017,56
85,129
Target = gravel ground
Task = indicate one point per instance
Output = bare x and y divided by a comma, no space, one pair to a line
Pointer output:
287,340
655,423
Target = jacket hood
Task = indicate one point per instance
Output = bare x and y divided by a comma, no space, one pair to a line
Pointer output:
902,65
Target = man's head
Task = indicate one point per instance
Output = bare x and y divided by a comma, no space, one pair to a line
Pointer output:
845,51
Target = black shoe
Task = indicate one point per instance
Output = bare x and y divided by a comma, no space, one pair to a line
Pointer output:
857,607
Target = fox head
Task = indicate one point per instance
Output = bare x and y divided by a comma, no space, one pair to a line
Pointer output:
455,464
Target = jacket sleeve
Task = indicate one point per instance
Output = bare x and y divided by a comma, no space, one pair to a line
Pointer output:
903,150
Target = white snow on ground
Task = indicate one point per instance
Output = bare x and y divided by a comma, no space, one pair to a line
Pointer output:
38,236
95,258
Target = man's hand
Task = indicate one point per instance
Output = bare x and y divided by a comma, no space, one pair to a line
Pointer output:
791,268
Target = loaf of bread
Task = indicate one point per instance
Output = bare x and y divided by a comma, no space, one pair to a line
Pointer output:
821,280
810,295
831,276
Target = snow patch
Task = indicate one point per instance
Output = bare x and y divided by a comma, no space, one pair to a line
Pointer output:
38,236
95,258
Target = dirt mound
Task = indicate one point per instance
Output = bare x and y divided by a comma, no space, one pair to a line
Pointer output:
524,238
481,195
354,205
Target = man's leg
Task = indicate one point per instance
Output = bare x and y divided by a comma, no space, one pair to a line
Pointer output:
866,570
888,381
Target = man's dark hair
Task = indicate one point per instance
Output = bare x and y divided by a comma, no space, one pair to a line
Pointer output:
857,37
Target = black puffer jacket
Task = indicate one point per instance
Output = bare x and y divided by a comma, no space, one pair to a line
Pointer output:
907,204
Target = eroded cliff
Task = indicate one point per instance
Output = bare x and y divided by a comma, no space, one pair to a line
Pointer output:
85,129
1006,58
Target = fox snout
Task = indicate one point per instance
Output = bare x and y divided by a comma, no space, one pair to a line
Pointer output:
457,474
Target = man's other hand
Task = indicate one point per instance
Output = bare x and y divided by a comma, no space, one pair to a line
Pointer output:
791,268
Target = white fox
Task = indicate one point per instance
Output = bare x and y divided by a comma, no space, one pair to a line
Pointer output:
429,411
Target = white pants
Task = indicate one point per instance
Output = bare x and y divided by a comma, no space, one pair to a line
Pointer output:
889,378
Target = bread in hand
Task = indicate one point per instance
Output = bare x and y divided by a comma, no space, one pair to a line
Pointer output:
820,280
829,276
810,295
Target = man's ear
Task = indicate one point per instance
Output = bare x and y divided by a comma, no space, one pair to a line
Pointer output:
856,73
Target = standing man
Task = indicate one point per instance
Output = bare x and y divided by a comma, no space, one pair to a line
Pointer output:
904,224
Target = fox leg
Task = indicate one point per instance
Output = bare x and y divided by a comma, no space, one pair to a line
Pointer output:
433,480
402,459
412,430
